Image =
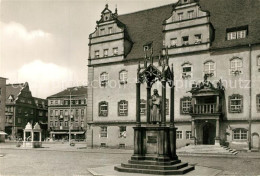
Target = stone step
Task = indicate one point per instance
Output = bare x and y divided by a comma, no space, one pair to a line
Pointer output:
153,171
147,162
155,167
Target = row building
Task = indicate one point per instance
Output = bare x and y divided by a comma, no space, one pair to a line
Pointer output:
2,108
214,47
68,109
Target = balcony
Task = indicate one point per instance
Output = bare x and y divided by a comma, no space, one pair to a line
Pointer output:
206,109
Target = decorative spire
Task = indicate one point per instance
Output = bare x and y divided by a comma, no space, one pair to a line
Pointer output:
106,6
116,10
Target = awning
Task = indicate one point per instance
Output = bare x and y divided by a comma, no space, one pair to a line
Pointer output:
3,133
59,132
78,132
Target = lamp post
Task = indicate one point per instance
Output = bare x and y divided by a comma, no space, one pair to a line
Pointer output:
70,90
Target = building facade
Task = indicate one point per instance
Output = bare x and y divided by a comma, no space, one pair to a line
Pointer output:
65,106
42,115
2,108
20,108
216,69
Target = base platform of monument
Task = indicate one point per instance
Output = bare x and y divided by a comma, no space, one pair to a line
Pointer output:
151,165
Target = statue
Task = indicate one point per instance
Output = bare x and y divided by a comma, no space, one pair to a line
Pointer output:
155,104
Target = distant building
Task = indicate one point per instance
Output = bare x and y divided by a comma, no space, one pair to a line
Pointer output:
219,40
2,108
20,108
42,115
69,103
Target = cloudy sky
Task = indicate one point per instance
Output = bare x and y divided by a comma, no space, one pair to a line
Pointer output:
45,42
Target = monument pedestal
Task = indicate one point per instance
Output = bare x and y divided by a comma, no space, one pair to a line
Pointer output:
155,152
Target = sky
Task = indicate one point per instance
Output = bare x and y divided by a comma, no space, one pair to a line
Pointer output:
45,42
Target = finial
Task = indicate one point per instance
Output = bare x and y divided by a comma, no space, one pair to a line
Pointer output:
116,10
106,5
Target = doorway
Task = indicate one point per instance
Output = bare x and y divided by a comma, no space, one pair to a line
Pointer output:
209,134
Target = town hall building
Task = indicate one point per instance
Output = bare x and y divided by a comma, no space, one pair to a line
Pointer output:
214,47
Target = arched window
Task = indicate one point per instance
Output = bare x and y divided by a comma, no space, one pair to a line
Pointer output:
103,79
103,108
240,133
258,102
186,70
122,108
210,68
236,65
123,77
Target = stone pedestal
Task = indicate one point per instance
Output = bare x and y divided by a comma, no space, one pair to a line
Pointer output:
217,141
155,152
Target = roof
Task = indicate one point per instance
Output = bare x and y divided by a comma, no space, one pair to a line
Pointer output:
145,26
14,90
233,13
81,90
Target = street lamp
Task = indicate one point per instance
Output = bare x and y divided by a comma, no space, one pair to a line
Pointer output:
71,116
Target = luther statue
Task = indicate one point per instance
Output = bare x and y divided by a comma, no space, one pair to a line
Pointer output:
155,104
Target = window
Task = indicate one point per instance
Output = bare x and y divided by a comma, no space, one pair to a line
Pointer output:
173,42
198,39
22,100
143,107
209,68
235,103
56,102
110,30
186,70
77,112
40,113
123,77
258,102
191,14
115,51
19,120
240,134
188,134
180,16
29,101
185,105
66,123
105,53
82,112
103,109
237,32
56,123
97,54
103,131
122,146
179,134
236,66
103,145
103,79
185,40
122,108
56,113
51,124
102,31
258,60
66,113
122,132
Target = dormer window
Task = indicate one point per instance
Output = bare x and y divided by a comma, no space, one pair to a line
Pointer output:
173,42
110,30
180,16
191,14
237,32
185,40
198,39
105,53
97,54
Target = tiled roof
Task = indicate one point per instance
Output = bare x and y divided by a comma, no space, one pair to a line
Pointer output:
145,26
233,13
14,90
81,90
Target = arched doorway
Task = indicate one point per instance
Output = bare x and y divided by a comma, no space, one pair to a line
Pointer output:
208,134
